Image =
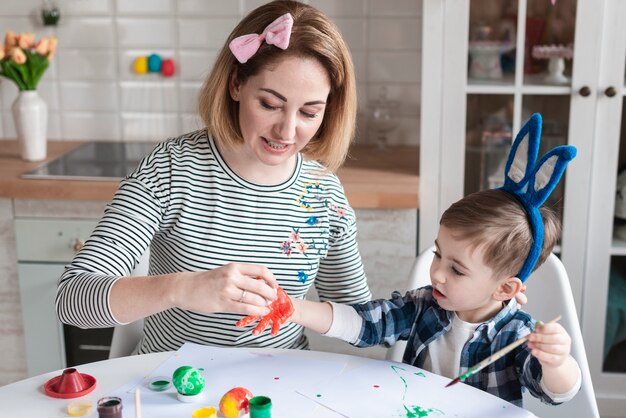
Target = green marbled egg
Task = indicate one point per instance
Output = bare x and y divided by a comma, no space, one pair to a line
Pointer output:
187,380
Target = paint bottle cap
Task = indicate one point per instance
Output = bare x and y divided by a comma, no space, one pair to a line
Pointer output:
206,412
260,407
79,408
159,383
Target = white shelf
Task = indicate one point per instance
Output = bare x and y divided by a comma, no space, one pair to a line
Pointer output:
482,87
618,247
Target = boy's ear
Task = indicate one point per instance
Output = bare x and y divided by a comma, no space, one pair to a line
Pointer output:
508,288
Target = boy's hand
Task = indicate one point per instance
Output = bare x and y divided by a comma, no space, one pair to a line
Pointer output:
551,344
280,311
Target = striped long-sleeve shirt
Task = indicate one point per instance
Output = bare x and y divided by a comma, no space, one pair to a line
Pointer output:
196,214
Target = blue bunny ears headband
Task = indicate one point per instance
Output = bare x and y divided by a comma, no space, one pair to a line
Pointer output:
532,181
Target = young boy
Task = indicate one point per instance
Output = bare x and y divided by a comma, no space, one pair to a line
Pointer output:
470,311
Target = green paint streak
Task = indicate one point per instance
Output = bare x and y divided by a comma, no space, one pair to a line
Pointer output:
406,387
415,411
419,412
160,383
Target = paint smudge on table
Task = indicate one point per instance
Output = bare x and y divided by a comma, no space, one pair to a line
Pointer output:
414,411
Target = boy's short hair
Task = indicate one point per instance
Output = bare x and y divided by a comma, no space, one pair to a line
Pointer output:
495,221
313,36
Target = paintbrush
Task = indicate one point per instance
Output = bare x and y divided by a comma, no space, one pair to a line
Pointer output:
137,403
495,356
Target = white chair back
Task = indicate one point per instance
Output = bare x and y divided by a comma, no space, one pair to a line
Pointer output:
126,337
549,294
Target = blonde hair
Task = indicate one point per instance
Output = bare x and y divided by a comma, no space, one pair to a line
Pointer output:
495,221
313,36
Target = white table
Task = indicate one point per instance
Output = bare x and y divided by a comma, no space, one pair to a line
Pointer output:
27,398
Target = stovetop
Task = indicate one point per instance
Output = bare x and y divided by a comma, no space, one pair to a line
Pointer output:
100,161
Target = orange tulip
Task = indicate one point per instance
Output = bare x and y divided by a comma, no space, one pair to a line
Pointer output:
2,54
18,56
43,47
10,40
52,43
26,40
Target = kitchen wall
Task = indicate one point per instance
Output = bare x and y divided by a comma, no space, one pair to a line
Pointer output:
92,93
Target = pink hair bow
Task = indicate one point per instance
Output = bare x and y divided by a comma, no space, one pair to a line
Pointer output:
276,33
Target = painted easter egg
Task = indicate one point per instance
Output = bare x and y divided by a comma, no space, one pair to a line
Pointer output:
154,63
188,381
167,67
140,65
234,401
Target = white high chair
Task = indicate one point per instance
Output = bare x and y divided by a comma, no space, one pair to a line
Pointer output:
126,337
549,294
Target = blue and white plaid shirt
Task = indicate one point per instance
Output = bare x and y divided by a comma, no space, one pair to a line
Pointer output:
418,318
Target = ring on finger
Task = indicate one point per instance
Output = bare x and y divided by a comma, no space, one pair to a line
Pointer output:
243,295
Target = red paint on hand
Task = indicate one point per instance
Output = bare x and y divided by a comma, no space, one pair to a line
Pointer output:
280,311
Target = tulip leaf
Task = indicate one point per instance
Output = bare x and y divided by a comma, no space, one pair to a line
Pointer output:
10,72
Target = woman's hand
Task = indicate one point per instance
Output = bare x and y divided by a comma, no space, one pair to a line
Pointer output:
234,287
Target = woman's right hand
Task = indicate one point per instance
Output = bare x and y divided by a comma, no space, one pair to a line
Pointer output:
247,289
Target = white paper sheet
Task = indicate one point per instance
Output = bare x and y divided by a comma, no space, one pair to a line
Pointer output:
275,376
383,389
298,385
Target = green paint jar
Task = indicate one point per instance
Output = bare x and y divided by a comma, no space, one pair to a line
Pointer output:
260,407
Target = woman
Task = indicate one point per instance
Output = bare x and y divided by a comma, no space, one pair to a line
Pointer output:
251,196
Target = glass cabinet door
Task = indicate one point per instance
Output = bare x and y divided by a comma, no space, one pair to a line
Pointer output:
519,62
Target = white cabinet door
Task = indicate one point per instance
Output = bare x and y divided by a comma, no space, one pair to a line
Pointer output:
488,65
43,333
604,300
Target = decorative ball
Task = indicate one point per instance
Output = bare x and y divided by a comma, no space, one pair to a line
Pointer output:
167,67
140,65
154,63
234,401
188,381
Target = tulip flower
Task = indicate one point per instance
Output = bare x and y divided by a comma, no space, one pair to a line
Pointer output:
53,47
26,40
24,60
10,40
43,47
18,56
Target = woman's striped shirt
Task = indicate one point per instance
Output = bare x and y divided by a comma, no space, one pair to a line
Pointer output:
196,214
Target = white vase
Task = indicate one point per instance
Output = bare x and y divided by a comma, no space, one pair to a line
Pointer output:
30,114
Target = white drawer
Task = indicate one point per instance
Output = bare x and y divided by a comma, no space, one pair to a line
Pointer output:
51,239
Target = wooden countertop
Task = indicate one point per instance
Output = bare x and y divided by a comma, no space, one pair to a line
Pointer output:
371,178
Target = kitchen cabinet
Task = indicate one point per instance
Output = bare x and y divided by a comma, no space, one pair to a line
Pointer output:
473,104
44,246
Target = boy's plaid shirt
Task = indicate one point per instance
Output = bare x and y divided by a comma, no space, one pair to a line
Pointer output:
417,318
